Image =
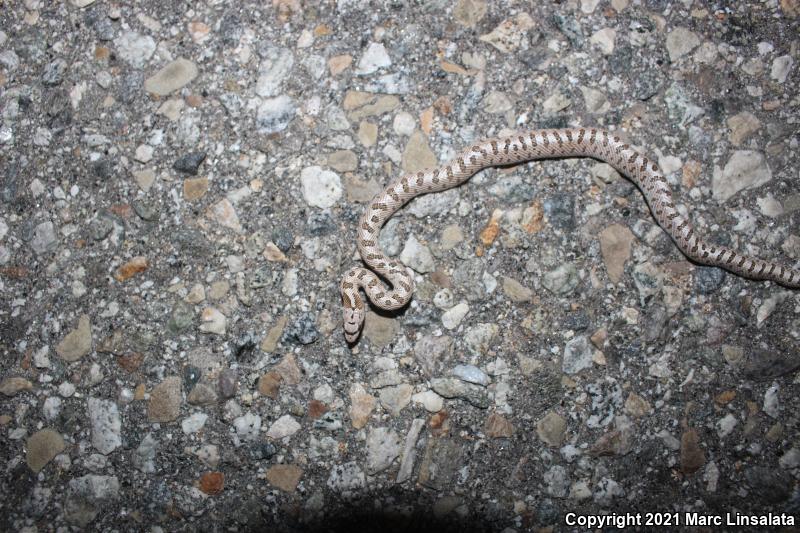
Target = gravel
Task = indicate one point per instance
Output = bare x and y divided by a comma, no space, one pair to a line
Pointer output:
181,186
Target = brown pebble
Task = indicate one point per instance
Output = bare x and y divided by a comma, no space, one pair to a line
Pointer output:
284,477
724,398
101,53
42,447
269,385
131,268
692,455
498,427
14,272
316,409
212,482
441,279
194,188
13,385
130,362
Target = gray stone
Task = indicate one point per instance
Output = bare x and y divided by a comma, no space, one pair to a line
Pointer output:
302,330
455,388
275,114
347,480
781,66
54,72
275,67
708,280
375,57
562,280
189,163
433,204
577,355
606,490
145,455
87,495
478,339
106,425
430,352
171,77
202,394
409,451
44,238
285,426
680,42
453,316
471,374
247,426
193,423
560,211
383,447
321,188
134,48
680,107
395,398
745,169
389,240
556,481
417,256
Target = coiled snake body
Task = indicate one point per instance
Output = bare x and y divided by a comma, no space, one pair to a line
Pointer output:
525,146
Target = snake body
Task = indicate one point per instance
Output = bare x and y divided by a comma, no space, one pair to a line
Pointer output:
525,146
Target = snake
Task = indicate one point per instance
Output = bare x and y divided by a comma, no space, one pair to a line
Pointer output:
521,147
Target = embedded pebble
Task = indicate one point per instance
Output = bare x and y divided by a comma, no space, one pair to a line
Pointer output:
321,188
744,170
12,386
42,447
471,374
680,42
275,114
135,48
456,388
44,238
165,400
78,342
551,429
578,355
431,401
106,425
562,280
383,447
285,426
193,423
453,316
171,77
276,65
375,57
781,66
247,426
417,256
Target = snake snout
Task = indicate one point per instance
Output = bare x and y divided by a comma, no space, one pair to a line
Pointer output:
353,321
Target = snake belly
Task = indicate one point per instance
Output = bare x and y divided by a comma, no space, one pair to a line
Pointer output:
520,147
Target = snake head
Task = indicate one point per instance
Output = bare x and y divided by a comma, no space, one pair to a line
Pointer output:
353,322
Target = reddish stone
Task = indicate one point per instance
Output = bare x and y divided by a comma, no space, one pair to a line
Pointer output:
131,268
130,362
498,427
212,482
269,385
316,409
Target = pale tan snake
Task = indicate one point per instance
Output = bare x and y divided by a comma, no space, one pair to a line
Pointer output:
525,146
